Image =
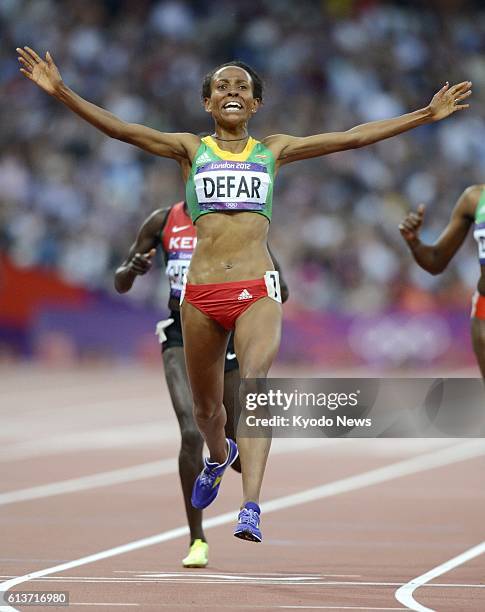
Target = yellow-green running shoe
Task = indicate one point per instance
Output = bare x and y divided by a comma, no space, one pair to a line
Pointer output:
198,555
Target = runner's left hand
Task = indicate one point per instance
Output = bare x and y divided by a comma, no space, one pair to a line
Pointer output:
447,100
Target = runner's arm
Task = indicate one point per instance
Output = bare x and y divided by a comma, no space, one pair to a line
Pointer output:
434,258
292,148
45,74
141,252
174,146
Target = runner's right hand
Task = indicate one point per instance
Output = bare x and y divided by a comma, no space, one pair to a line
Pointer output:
140,263
43,72
411,225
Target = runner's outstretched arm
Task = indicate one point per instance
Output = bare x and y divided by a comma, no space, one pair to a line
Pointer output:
45,74
444,103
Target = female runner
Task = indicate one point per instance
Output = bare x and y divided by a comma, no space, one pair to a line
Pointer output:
231,282
171,230
469,209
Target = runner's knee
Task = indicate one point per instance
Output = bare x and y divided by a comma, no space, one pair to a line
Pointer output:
206,410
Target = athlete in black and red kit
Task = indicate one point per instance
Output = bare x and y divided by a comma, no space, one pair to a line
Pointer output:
173,231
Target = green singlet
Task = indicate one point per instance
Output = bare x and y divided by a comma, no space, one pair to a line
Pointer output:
221,181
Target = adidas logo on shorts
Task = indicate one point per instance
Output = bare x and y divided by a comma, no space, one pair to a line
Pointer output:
244,295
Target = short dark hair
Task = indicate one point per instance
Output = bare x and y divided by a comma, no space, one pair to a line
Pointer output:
256,79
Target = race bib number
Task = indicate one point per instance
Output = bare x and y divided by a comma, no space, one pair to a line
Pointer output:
272,280
176,272
479,235
229,185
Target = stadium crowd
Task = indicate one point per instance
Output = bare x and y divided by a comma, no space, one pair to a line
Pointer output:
72,199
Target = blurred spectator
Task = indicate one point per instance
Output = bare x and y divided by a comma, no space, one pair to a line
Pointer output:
71,199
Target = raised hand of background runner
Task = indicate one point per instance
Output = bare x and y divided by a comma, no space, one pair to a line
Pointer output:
140,263
447,100
411,225
43,72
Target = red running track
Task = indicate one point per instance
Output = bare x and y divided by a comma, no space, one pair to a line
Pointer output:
88,463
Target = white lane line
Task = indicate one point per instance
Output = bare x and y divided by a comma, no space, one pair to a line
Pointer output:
154,431
230,607
440,458
142,470
404,594
428,461
202,574
135,434
332,608
123,475
102,479
88,408
236,577
236,606
237,580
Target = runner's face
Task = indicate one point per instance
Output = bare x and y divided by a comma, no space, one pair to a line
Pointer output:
231,102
